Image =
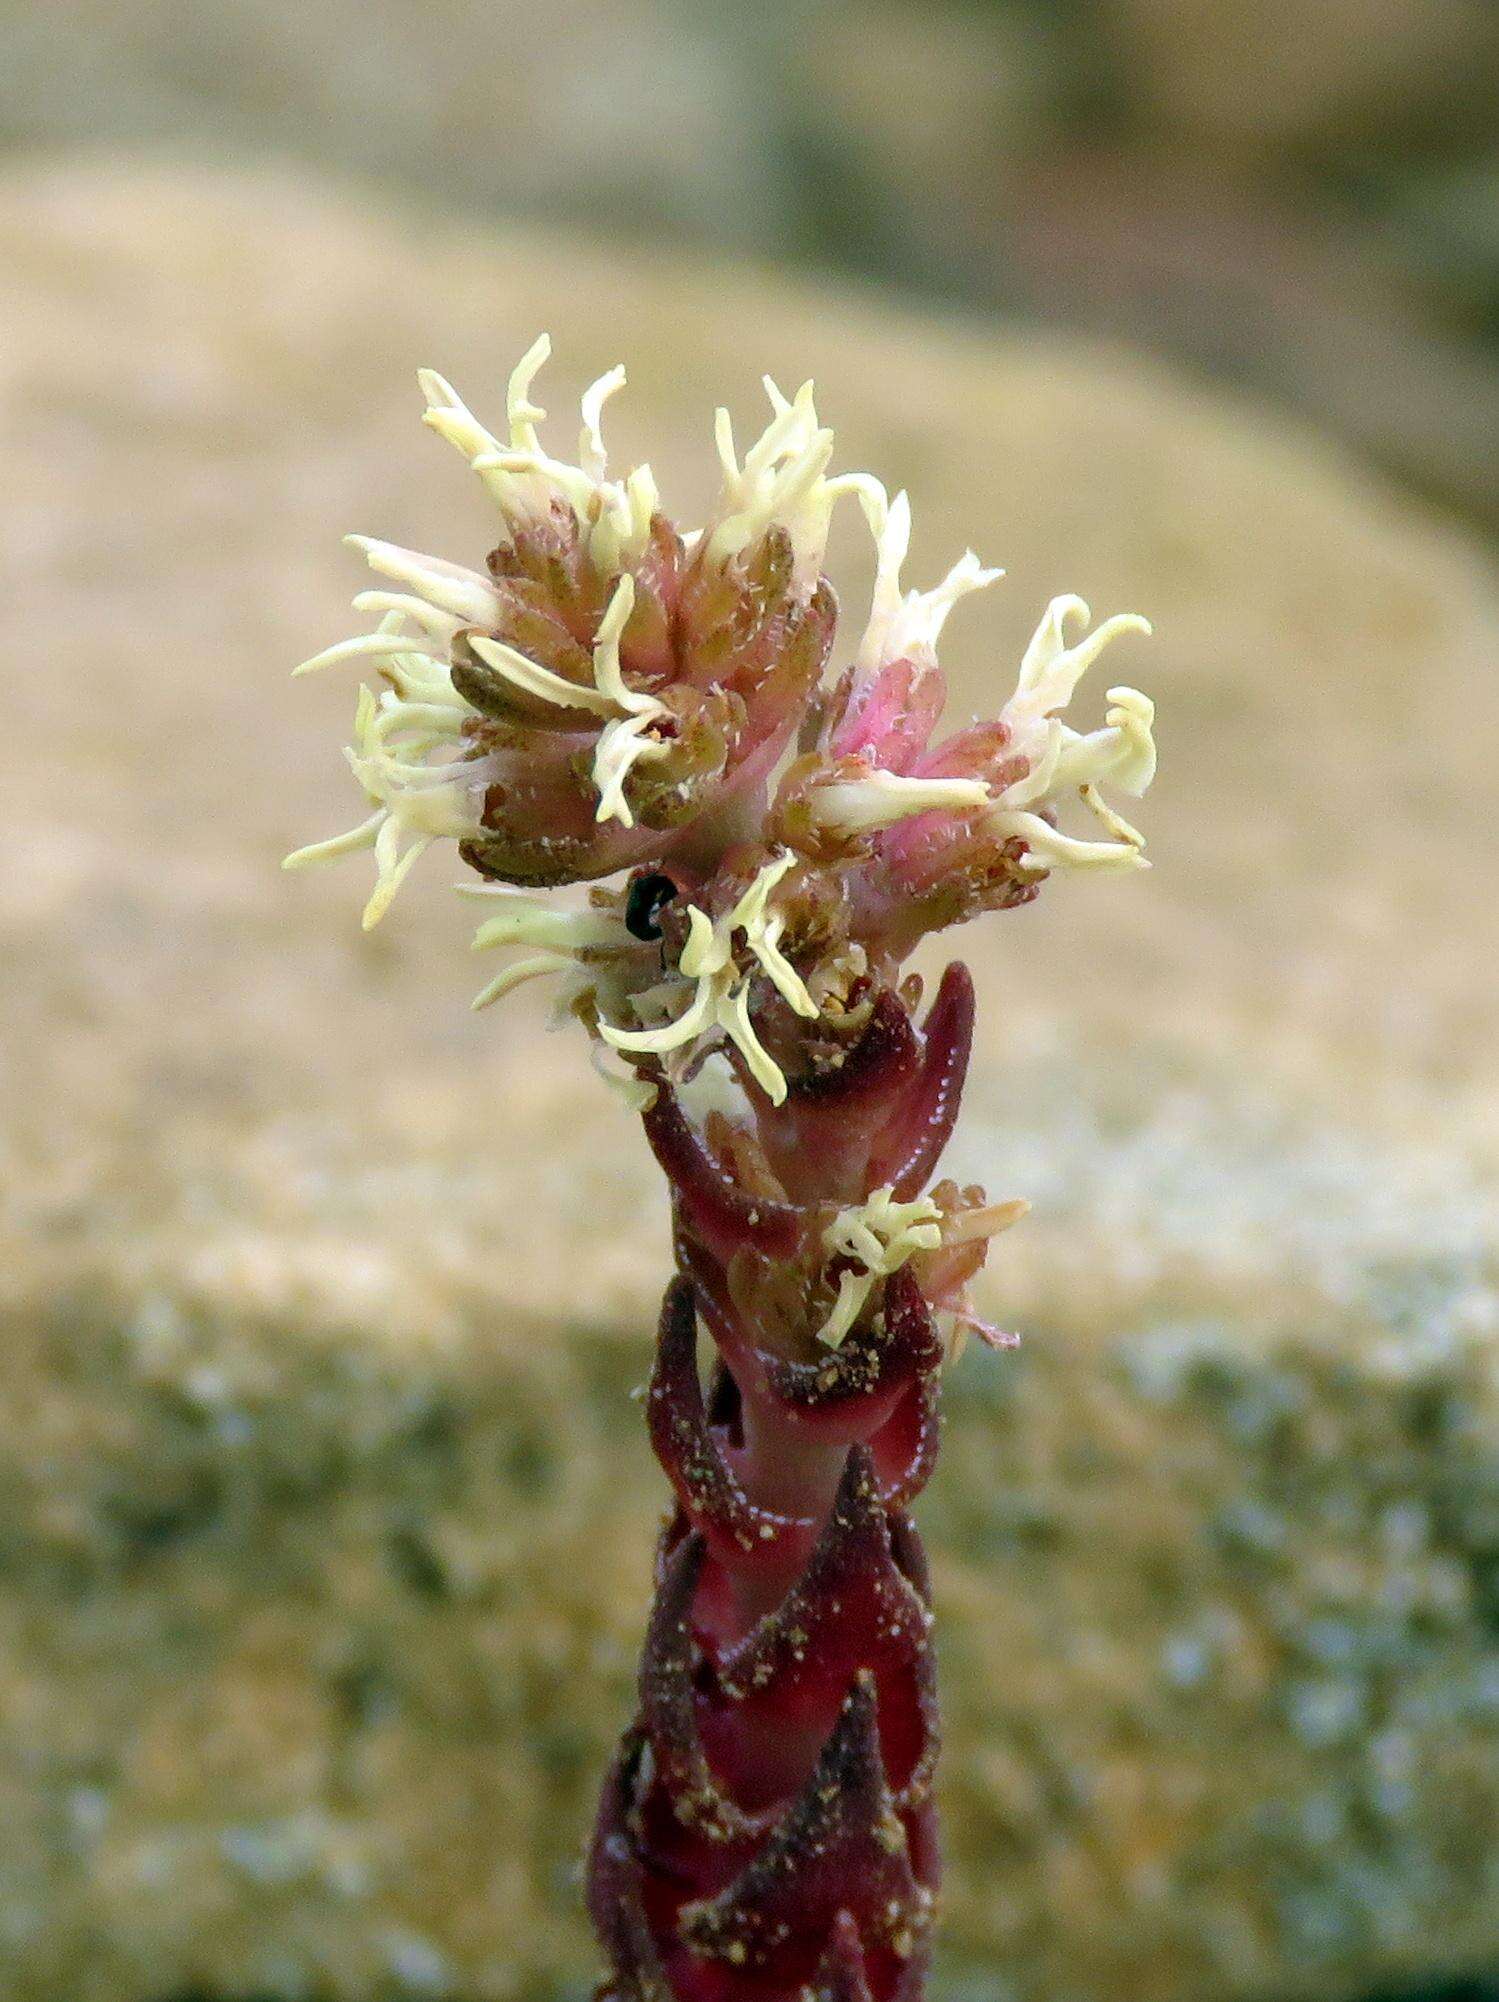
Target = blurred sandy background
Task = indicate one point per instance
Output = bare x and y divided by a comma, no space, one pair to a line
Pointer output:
324,1510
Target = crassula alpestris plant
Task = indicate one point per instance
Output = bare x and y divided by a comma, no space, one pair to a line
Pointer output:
752,832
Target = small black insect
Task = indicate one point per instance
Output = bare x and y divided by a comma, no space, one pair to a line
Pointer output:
648,898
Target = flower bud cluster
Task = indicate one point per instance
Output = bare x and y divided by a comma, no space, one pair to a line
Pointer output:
610,694
626,731
606,685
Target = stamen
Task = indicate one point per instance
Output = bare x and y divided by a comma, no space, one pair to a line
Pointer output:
522,413
734,1014
723,439
1059,759
591,454
618,539
963,1226
398,713
392,868
781,483
901,628
706,950
392,740
671,1035
526,921
450,417
1051,849
917,626
534,679
750,909
781,973
638,1093
516,974
505,466
613,517
1117,825
497,466
1133,716
1050,670
890,525
362,836
622,745
451,587
607,674
437,624
862,806
374,646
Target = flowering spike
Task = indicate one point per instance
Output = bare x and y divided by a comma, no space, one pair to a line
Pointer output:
611,702
721,999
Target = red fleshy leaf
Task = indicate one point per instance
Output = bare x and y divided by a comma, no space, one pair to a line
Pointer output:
853,1609
880,1359
725,1216
841,1846
911,1145
687,1449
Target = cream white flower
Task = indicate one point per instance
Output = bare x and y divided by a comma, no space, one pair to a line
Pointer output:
396,735
1062,760
626,739
721,997
782,483
614,516
907,626
421,714
465,596
631,715
881,1234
